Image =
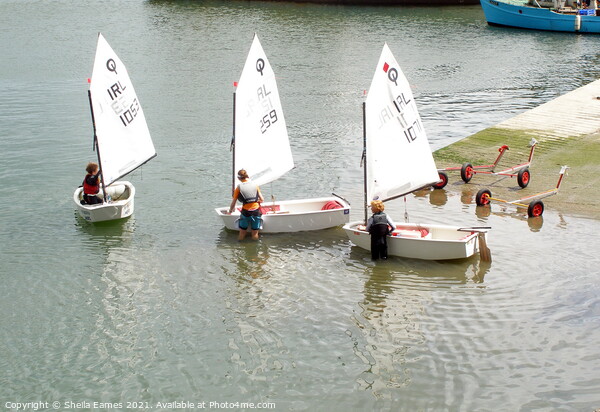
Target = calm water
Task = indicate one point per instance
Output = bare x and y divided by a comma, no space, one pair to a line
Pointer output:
167,306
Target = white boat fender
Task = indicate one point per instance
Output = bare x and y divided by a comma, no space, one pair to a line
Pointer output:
577,22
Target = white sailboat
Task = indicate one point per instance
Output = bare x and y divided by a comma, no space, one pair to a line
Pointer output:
261,147
398,161
121,137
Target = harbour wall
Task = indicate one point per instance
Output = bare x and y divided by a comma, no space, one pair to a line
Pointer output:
418,3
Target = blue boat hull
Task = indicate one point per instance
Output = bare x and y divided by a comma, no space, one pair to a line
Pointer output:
526,17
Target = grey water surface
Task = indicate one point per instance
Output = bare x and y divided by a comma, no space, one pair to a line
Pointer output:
168,306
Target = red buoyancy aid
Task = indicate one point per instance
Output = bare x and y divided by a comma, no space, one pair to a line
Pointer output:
332,204
90,189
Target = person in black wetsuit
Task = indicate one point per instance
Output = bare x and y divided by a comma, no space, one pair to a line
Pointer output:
379,226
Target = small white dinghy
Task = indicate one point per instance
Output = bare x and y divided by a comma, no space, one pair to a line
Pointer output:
121,137
261,146
398,161
121,195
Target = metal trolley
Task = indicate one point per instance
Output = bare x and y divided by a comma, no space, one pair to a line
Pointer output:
533,203
467,170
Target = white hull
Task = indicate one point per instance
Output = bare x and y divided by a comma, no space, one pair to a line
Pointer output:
294,215
421,241
120,206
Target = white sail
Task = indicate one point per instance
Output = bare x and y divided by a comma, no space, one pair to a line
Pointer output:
124,142
262,145
399,158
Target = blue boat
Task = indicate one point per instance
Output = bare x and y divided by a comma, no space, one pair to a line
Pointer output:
557,15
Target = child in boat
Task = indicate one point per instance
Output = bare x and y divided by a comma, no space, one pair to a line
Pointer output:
249,194
379,226
91,184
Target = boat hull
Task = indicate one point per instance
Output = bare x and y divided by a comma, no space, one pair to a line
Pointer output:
420,241
122,195
534,18
295,215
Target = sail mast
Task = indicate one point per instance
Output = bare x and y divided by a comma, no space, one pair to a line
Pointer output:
96,148
232,146
364,158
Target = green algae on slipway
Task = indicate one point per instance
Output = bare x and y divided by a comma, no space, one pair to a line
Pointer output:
566,135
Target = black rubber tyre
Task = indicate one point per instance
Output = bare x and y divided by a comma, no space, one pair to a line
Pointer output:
443,181
482,197
523,177
535,209
466,172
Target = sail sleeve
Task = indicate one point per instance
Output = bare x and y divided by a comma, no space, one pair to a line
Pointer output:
124,141
261,139
399,158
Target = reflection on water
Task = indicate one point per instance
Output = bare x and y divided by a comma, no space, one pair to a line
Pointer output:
251,259
517,213
396,293
439,197
113,230
461,271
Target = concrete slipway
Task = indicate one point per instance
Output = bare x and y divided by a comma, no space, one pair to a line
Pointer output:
568,131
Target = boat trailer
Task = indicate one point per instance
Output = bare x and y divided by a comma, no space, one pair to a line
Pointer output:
535,207
467,170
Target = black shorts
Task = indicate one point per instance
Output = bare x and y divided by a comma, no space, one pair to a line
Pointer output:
91,199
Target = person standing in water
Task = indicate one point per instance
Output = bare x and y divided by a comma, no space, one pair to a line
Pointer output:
379,226
249,194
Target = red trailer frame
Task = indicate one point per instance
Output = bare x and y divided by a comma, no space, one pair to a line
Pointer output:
467,170
534,209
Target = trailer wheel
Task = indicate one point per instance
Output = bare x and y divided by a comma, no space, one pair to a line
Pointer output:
482,197
535,209
443,181
466,172
523,177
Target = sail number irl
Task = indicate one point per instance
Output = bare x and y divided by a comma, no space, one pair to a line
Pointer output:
126,111
398,110
267,120
264,99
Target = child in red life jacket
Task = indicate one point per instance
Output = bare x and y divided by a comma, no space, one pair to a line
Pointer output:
91,184
379,226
